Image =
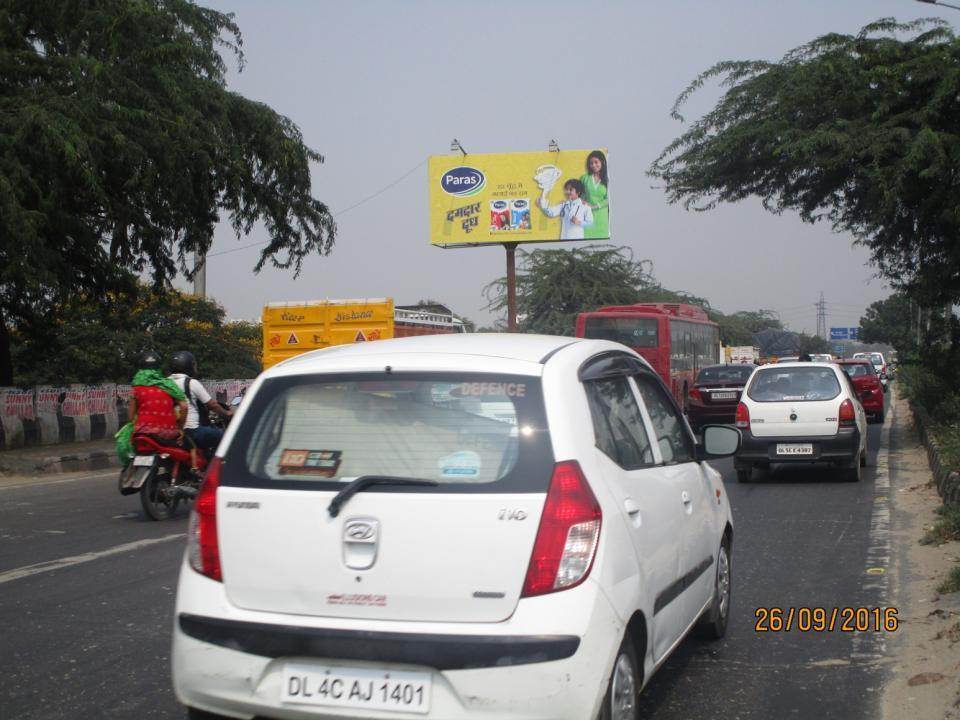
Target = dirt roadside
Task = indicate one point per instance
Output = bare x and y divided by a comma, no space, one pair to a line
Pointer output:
924,653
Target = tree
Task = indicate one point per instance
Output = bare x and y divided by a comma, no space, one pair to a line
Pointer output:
889,321
861,130
553,286
739,328
120,147
93,339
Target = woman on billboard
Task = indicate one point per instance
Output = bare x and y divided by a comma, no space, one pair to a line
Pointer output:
595,184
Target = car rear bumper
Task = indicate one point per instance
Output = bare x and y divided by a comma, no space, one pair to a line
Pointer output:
700,415
842,447
231,662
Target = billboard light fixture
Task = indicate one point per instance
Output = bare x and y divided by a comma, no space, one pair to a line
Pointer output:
553,147
455,146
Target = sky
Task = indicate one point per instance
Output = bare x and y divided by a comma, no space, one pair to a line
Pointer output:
376,87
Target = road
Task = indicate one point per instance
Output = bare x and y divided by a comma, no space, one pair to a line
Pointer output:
88,636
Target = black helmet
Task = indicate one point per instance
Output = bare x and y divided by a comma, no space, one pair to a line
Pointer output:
184,362
150,360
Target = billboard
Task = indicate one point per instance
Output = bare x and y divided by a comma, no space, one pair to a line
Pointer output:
518,197
839,333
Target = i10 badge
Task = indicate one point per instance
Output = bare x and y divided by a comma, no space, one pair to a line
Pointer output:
462,181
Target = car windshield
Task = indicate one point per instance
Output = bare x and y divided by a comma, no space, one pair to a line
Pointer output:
725,373
877,359
794,384
632,332
453,429
858,370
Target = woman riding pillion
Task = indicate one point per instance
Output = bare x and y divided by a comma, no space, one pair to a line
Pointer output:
158,408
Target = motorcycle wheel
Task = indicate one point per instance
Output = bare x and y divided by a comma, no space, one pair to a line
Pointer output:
157,497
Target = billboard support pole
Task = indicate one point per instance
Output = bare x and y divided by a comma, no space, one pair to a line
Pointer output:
511,249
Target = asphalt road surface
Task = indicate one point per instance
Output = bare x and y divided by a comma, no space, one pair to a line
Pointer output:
87,588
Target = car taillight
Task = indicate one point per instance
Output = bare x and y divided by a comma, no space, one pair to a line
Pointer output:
568,534
695,394
848,418
743,417
202,549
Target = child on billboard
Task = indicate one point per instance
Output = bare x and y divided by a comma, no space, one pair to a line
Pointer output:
575,215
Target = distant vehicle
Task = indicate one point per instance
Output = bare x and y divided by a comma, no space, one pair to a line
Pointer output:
742,355
802,412
715,394
676,339
867,384
372,541
292,328
821,357
879,364
789,358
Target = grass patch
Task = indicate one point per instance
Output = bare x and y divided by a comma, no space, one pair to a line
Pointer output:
947,528
952,583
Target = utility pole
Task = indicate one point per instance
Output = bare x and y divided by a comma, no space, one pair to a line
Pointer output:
821,317
200,275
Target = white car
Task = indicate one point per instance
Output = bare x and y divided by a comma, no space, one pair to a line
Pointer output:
451,526
800,412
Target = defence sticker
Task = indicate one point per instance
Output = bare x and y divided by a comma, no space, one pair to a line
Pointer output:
320,463
292,340
461,464
360,337
486,389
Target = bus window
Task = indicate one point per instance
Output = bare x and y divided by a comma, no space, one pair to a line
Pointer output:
632,332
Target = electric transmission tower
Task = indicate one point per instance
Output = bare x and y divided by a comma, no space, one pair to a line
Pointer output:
821,317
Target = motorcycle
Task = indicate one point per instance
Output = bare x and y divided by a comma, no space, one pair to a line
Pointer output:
164,474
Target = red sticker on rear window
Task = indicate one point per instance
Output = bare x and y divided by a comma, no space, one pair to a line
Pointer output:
320,463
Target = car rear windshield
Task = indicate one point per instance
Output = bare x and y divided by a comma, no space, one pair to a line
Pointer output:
858,370
632,332
466,432
794,384
734,374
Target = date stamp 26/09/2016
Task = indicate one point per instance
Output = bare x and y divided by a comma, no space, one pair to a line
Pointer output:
824,619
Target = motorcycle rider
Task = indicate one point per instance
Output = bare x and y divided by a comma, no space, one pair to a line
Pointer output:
199,403
158,407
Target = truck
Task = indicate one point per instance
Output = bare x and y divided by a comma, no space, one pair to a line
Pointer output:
291,328
742,355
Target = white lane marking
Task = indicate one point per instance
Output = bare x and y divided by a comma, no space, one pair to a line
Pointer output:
43,481
871,645
50,565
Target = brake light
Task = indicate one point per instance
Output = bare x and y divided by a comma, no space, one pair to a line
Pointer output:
568,534
848,417
743,417
695,394
203,550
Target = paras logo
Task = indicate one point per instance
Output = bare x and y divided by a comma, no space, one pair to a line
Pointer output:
499,205
462,181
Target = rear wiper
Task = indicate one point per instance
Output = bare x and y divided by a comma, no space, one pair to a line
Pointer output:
365,481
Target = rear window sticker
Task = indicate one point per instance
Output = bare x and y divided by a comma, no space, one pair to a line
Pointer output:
461,464
321,463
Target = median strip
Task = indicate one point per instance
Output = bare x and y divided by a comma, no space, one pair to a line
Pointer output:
28,570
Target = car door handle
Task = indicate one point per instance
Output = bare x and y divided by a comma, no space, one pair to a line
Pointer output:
631,507
685,497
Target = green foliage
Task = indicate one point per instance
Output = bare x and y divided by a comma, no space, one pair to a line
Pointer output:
861,130
120,145
93,341
738,328
952,582
946,528
889,321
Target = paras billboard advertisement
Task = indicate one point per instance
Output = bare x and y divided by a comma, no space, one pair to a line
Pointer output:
519,197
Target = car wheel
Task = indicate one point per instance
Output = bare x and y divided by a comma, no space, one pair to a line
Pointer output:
880,416
620,702
744,474
194,714
853,471
863,458
713,625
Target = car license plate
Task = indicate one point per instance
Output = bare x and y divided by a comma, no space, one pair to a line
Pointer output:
143,460
794,449
399,691
723,395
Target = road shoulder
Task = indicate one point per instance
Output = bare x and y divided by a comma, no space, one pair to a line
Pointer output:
925,651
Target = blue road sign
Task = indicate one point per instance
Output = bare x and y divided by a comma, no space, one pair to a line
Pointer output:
839,333
855,333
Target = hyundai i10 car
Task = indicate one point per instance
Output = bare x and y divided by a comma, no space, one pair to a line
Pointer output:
471,526
801,412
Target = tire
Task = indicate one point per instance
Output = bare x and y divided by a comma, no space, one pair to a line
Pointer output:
853,471
879,417
713,625
620,700
154,498
744,475
194,714
863,459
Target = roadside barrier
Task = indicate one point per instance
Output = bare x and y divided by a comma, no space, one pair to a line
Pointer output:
49,415
947,478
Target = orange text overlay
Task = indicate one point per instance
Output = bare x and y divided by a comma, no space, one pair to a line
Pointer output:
822,619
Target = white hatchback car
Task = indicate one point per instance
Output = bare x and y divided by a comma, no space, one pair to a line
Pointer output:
801,412
454,526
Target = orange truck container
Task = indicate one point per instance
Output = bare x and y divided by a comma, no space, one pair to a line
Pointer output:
295,327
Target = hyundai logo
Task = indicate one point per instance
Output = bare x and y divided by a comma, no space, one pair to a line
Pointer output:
360,531
462,181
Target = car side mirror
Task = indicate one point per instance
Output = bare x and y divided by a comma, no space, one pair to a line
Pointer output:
718,441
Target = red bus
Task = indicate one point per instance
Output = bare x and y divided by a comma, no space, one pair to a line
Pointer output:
676,339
